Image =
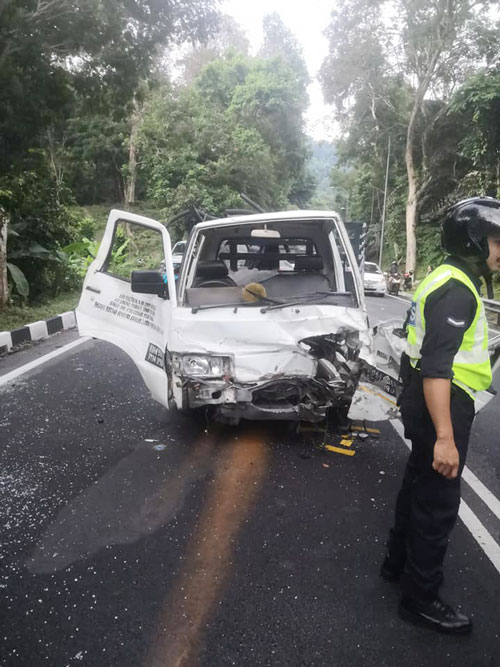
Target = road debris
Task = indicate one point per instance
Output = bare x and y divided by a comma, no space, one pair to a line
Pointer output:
340,450
365,429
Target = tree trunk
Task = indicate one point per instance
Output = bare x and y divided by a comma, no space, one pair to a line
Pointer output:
497,193
411,223
4,291
118,183
55,164
446,14
132,169
412,200
132,155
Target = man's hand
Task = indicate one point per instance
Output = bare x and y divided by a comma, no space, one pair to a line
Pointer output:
437,399
446,458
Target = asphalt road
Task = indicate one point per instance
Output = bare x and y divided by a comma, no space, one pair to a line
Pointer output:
135,537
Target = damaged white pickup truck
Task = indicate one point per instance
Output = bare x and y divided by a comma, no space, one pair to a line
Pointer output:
265,320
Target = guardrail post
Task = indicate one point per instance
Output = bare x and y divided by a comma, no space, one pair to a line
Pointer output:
493,307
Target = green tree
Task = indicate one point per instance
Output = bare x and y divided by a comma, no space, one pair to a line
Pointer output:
281,45
42,225
429,48
237,128
228,36
194,154
280,42
476,108
66,65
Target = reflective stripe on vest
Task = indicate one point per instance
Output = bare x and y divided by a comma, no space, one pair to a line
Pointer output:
471,365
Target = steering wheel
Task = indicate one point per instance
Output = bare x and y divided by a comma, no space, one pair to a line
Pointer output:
227,282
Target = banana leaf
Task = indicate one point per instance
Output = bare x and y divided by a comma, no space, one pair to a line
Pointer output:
19,279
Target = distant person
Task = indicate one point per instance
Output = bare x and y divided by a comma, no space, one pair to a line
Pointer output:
429,270
394,268
408,280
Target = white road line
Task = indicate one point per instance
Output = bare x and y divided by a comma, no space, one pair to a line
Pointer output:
8,377
488,498
399,298
397,425
482,536
482,491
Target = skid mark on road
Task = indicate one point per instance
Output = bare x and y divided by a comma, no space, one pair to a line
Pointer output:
242,466
136,497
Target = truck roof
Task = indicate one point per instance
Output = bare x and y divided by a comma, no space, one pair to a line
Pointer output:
268,217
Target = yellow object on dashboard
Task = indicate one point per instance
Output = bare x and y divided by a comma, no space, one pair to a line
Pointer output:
253,292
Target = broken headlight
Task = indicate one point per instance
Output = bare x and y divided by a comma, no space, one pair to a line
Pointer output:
201,365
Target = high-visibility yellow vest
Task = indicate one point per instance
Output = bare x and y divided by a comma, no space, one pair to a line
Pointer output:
471,365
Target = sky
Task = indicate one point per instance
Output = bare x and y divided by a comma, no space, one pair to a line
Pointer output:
307,21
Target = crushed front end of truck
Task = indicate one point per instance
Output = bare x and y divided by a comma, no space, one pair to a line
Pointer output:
287,369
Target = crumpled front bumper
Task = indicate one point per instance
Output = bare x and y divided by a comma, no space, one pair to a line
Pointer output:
290,398
329,379
290,364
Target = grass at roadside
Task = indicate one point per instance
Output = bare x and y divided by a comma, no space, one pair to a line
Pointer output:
17,316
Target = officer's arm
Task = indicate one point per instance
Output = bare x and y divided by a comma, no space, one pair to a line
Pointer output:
437,398
448,313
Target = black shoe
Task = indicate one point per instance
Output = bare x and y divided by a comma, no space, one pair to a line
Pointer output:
435,614
389,572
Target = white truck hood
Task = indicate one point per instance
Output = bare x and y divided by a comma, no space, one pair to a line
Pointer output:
266,344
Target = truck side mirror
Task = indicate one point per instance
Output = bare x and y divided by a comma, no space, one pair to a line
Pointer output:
149,282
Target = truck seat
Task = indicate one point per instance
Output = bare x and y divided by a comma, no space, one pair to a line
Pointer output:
212,273
305,279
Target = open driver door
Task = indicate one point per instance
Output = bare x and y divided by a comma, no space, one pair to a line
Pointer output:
115,308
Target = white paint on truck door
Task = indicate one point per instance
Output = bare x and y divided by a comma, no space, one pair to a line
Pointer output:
109,310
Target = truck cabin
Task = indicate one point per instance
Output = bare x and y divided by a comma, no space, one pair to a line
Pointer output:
277,262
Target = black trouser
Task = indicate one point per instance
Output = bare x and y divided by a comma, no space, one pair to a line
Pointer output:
427,504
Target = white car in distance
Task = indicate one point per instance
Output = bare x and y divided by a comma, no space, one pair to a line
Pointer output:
374,280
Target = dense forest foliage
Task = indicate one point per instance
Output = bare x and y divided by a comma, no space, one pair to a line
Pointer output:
147,104
419,80
158,106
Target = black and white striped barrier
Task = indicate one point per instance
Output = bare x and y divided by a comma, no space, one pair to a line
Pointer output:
36,331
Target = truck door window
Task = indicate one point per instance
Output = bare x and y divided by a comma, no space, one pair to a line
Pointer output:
134,248
343,266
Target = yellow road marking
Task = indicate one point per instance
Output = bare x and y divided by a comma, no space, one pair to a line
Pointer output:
376,393
345,442
339,450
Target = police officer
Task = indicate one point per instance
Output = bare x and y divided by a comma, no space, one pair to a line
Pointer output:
446,363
